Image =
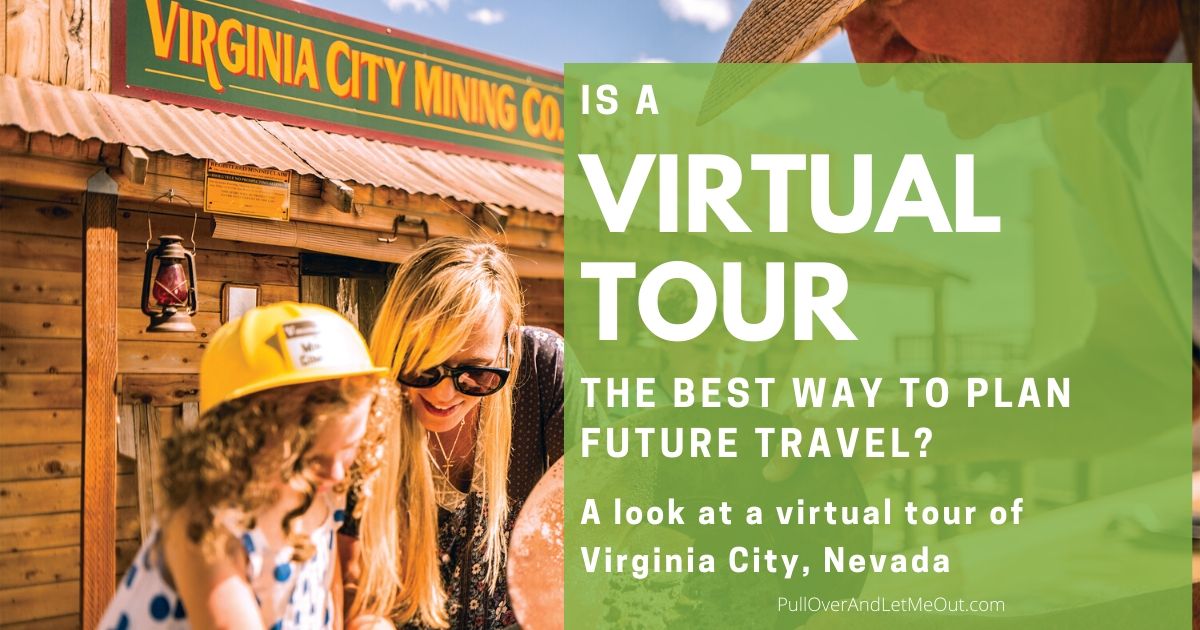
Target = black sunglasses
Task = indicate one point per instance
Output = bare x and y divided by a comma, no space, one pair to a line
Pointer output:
472,380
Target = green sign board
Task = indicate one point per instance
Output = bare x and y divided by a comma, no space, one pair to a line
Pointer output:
301,65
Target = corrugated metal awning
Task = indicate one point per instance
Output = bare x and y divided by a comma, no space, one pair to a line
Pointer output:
59,111
424,170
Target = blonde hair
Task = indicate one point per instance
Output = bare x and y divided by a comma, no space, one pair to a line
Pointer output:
437,297
237,453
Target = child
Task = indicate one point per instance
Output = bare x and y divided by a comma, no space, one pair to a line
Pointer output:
293,412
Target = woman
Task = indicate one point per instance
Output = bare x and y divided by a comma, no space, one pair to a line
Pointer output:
482,422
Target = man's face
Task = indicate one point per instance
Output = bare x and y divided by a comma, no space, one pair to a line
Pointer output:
888,34
903,31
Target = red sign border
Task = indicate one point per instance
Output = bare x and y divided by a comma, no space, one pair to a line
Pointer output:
118,86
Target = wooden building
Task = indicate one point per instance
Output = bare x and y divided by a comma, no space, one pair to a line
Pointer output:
90,177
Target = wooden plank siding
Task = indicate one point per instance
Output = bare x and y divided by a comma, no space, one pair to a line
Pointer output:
41,375
27,39
41,391
543,302
62,42
41,380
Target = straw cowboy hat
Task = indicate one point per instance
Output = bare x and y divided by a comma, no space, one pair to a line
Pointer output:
781,31
770,31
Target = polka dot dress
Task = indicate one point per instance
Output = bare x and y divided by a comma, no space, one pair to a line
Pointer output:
290,594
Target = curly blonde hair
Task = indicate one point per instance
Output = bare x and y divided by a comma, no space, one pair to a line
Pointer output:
234,458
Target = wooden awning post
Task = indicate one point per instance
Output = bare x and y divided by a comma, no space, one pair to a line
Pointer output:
99,479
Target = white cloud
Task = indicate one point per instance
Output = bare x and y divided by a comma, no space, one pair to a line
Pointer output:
643,58
813,57
486,17
714,15
420,6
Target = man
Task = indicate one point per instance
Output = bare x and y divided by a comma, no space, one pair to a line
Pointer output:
890,33
982,31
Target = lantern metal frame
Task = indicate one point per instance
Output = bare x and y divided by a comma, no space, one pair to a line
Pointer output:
170,318
170,247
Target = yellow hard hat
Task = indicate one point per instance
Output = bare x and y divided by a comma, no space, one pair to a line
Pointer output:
284,343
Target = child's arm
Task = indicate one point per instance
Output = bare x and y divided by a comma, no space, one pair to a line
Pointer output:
348,549
336,589
215,592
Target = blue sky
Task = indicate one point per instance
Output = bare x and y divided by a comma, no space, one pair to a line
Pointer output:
549,33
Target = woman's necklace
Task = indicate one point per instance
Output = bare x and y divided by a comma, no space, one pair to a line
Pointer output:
447,463
447,495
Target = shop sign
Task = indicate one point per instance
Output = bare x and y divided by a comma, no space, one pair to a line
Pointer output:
285,61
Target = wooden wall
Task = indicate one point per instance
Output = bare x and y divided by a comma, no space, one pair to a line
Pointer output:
63,42
40,413
544,302
41,327
40,381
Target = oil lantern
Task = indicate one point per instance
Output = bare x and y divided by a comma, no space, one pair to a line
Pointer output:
169,293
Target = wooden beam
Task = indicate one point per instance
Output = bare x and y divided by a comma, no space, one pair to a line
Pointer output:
160,389
97,78
126,433
190,416
65,147
99,478
21,191
524,230
13,139
491,216
443,216
70,42
145,419
133,164
27,41
336,193
44,173
55,253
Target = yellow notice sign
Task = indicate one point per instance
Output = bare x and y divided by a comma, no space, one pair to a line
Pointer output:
247,190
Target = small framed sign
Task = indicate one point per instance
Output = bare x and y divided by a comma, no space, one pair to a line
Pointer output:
248,191
236,299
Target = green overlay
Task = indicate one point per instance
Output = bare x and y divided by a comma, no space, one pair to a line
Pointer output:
1044,453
